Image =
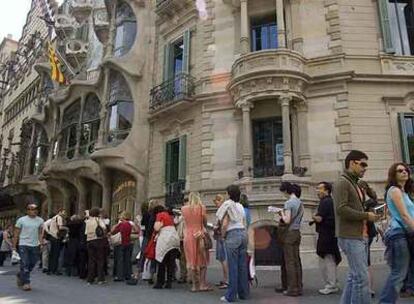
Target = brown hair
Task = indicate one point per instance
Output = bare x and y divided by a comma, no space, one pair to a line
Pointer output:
392,178
94,212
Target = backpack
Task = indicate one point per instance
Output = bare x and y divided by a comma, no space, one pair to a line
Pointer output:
99,232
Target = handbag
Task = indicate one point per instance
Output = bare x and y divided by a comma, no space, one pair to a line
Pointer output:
149,252
203,237
116,239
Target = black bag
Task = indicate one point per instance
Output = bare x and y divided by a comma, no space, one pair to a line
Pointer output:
99,231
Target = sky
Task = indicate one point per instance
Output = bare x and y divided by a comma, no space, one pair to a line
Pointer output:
13,15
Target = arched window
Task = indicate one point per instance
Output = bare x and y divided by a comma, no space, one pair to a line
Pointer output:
90,125
121,108
68,138
126,29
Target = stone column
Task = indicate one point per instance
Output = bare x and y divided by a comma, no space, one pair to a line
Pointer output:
247,139
106,192
244,28
82,196
103,113
304,155
285,102
280,18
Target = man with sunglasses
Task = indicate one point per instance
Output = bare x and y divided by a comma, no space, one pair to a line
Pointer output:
27,231
351,227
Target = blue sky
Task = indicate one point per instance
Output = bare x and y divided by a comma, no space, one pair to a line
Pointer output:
13,16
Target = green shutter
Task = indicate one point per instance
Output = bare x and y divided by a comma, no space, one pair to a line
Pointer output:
182,170
167,62
385,26
404,141
168,156
186,51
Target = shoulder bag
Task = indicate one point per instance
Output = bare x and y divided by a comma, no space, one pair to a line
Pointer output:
203,237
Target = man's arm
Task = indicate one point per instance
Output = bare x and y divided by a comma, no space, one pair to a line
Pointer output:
16,237
341,199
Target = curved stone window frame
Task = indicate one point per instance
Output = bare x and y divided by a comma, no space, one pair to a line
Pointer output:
89,128
120,109
125,29
68,133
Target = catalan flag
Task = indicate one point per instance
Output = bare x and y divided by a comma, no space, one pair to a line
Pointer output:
56,73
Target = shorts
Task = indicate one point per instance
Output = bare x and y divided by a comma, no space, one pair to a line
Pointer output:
220,251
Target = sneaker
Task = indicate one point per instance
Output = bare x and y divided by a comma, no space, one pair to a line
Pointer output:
101,282
26,287
328,290
223,299
18,281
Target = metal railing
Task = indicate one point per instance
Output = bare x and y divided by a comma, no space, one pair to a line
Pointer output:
175,193
171,91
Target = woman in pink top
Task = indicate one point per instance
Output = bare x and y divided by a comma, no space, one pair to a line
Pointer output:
195,219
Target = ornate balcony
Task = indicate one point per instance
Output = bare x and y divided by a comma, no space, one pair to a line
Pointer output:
76,51
81,9
269,72
175,194
178,89
101,24
171,7
65,25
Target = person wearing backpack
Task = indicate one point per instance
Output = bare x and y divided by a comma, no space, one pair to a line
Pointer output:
56,231
95,232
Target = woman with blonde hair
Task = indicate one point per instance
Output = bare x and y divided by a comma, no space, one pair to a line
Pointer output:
195,219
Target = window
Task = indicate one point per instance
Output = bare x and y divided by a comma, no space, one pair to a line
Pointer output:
407,137
264,33
90,125
38,150
126,29
397,23
68,138
175,170
121,108
176,57
268,147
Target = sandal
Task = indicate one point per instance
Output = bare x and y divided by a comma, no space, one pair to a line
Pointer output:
206,289
224,285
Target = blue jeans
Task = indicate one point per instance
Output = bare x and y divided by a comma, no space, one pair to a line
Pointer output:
28,259
409,280
356,290
236,253
398,258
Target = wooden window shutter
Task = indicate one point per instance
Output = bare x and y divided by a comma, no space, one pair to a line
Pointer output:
182,170
385,26
167,62
186,51
168,160
404,141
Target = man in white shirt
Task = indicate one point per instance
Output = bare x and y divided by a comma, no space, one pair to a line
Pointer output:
55,226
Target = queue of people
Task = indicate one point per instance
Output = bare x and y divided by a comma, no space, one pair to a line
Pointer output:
347,220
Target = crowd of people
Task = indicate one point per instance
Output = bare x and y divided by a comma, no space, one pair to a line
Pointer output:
175,242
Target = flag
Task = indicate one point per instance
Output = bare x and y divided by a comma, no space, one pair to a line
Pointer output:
56,73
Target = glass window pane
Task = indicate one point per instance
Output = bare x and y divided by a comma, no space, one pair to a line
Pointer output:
125,115
395,33
401,7
273,37
265,35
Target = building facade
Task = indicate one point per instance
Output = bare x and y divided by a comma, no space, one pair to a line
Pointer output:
170,96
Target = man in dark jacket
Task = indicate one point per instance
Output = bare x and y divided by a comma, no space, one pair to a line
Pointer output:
327,245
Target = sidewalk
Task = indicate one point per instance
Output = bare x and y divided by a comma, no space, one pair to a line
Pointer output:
65,290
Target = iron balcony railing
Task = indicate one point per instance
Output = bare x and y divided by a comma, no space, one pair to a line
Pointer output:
171,91
175,194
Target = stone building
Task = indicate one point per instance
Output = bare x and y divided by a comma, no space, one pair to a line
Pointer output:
171,96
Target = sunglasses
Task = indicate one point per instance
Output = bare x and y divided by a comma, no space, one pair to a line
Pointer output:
403,170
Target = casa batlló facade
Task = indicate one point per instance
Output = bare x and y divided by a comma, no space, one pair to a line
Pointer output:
170,96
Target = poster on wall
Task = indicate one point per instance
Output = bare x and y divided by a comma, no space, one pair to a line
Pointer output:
280,161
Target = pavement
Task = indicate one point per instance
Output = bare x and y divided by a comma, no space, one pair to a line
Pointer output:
71,290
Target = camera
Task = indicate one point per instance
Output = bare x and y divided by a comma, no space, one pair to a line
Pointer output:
311,223
370,204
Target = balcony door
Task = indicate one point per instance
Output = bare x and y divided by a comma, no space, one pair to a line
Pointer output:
268,147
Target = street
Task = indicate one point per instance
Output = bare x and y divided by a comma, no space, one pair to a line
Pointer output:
65,290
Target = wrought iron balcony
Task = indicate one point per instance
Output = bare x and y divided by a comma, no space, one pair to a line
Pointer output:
175,194
172,91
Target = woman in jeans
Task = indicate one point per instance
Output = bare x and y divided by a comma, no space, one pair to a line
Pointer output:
232,216
6,245
96,247
401,208
291,215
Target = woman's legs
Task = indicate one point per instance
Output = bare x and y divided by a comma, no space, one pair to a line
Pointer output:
195,275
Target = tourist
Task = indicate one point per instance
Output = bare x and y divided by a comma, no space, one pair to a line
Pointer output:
57,233
401,208
220,247
123,252
180,225
244,201
95,231
72,252
6,243
351,227
27,233
167,248
197,257
327,244
291,218
233,222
